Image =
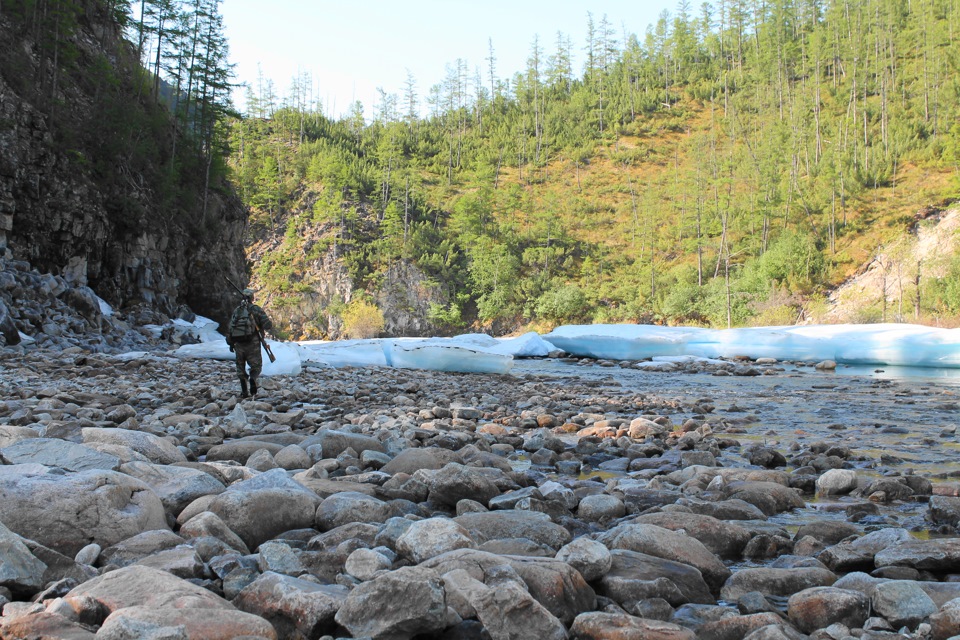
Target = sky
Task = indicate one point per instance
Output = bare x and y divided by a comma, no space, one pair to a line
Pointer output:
349,49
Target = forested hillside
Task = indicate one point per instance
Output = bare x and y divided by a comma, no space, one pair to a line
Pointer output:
729,165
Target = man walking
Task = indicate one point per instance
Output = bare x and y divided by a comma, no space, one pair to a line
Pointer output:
244,334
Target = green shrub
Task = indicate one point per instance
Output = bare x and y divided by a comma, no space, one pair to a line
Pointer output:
362,319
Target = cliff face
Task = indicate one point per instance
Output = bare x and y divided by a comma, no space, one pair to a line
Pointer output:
75,205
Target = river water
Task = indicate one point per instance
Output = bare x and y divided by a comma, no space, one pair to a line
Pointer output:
894,420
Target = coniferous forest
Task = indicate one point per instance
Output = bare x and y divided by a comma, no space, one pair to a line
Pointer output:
729,165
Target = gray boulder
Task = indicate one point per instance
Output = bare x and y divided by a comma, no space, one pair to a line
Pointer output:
240,450
724,539
770,497
351,506
67,512
819,607
591,558
496,525
62,454
20,570
941,555
336,442
504,609
669,545
258,515
156,449
397,604
776,582
207,523
554,584
136,548
455,482
411,460
428,538
859,554
211,624
638,576
296,608
606,626
143,586
903,603
176,486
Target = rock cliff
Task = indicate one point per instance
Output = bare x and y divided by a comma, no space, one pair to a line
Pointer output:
75,203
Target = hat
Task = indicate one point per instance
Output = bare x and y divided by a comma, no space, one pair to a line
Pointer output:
248,293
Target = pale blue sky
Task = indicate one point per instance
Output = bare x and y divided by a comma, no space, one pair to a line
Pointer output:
352,47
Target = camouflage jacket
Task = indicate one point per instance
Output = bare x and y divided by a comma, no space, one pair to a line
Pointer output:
246,318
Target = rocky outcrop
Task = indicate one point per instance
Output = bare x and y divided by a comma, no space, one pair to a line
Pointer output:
107,228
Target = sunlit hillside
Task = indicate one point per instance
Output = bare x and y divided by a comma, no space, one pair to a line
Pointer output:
724,170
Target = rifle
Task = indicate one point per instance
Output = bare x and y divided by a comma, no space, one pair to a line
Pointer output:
256,327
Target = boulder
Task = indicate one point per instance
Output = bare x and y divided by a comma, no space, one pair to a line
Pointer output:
601,508
731,627
259,515
554,584
945,623
591,558
724,539
138,547
770,497
176,486
43,625
20,571
207,523
351,506
941,555
68,511
11,434
669,545
859,553
197,623
336,442
156,449
364,564
819,607
903,603
147,587
836,482
512,523
62,454
503,609
638,576
411,460
428,538
455,482
620,626
240,450
397,604
296,608
775,582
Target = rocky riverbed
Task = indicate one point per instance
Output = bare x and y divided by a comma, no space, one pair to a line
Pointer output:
140,499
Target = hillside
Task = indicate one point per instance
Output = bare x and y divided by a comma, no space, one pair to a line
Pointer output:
725,170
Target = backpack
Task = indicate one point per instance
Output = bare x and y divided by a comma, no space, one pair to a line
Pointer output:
241,322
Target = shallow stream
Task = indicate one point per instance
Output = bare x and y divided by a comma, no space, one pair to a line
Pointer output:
894,420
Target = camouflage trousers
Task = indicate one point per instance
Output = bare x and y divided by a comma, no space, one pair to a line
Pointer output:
248,353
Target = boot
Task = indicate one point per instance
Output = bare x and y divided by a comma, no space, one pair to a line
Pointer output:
243,388
253,386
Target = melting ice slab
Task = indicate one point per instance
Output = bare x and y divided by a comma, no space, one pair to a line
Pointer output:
887,344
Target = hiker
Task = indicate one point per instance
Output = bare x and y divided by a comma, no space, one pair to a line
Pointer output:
244,335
